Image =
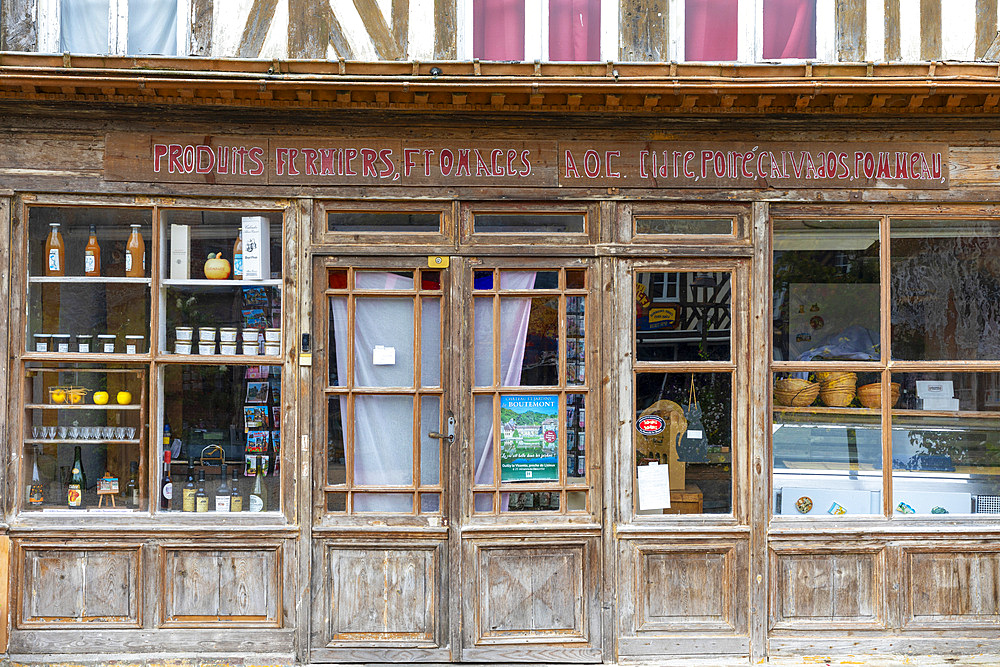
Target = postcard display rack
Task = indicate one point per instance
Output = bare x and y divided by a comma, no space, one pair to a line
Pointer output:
212,341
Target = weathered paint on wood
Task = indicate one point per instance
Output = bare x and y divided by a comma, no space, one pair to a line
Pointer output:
986,26
828,587
200,32
445,47
390,43
953,588
18,27
643,25
5,556
221,586
930,29
255,31
852,43
892,39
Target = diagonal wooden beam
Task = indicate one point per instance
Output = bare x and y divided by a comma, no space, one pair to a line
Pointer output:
255,31
312,27
386,41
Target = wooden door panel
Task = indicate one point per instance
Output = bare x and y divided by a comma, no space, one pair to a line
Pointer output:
382,595
951,588
686,586
92,586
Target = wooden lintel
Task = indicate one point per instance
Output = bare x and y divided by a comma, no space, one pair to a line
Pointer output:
840,101
574,99
497,99
304,95
382,96
459,98
650,101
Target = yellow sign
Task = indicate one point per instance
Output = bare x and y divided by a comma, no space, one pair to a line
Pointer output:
437,262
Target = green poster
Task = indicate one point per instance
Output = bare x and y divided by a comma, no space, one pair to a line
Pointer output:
529,438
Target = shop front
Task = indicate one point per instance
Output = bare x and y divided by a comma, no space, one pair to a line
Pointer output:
317,373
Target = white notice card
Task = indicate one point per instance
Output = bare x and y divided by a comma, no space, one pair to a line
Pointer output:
383,356
654,487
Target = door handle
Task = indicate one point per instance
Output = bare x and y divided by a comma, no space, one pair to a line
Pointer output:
450,436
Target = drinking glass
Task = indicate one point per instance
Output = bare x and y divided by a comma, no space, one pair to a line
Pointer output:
63,432
37,432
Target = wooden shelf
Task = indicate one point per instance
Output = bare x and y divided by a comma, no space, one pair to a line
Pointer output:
93,280
79,441
205,282
822,410
235,360
88,406
897,415
77,357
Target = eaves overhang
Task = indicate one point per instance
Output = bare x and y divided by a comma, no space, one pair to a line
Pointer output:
674,89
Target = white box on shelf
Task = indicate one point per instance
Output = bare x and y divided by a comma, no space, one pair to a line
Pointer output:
180,252
935,389
256,248
947,404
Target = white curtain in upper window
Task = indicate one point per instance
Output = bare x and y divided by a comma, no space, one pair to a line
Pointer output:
152,27
83,26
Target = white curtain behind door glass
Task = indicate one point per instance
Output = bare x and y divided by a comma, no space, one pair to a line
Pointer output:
83,26
152,26
514,316
383,425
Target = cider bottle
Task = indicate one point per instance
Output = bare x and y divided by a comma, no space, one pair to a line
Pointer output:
92,255
55,252
238,256
135,255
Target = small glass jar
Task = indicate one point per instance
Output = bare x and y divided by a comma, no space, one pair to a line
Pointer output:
133,343
42,342
60,342
83,343
106,343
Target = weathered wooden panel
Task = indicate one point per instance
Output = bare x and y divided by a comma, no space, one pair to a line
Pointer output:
18,28
851,27
930,29
893,48
825,587
200,33
390,43
222,586
255,31
445,47
76,586
644,30
974,165
312,27
682,586
953,586
533,592
382,595
986,26
4,591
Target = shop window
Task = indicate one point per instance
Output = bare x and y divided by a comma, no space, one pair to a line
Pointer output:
683,412
851,395
553,30
717,30
117,27
105,316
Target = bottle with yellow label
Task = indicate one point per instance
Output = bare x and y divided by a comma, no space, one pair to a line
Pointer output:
187,495
200,497
77,483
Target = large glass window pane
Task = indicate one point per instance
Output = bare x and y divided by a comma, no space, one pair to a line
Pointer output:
683,422
710,29
789,29
946,443
152,27
945,289
683,316
383,342
827,450
574,30
826,290
83,26
498,29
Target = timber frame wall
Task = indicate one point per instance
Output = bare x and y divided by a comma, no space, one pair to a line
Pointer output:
59,111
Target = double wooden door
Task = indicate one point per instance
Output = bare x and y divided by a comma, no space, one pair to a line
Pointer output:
457,505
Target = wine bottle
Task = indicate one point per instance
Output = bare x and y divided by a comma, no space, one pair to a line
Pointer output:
258,500
200,497
166,486
238,256
222,498
92,255
132,488
236,502
55,252
36,491
74,494
135,254
189,491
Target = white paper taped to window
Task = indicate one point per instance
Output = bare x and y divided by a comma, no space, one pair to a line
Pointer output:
383,356
654,487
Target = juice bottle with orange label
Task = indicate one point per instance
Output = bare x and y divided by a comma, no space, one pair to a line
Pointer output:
55,252
135,254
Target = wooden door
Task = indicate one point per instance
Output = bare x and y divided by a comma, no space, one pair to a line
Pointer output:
382,380
530,534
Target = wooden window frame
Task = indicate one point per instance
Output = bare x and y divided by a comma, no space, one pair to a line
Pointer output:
444,237
630,212
50,31
568,242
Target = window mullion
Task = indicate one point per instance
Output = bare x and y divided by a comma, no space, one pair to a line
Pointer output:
118,27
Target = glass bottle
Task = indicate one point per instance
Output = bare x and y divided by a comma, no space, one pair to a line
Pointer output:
188,494
166,485
36,491
200,497
236,499
135,254
132,488
258,501
223,499
92,255
55,252
238,256
74,493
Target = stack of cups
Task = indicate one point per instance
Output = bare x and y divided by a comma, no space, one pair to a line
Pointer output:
227,337
272,342
184,337
251,341
206,340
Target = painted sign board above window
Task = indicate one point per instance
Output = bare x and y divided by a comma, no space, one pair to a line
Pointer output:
628,164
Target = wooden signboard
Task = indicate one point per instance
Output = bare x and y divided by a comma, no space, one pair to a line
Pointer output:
628,164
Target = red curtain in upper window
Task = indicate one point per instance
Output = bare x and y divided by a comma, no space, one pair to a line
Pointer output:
710,29
498,29
574,30
789,29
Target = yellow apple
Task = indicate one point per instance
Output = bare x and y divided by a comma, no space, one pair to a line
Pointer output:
124,398
101,398
75,397
58,396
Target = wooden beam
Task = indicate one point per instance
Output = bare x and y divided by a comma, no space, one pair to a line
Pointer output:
851,30
255,31
312,27
200,35
644,30
445,46
892,41
930,29
389,44
986,25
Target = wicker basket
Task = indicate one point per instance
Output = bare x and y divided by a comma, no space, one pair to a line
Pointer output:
795,392
870,395
837,389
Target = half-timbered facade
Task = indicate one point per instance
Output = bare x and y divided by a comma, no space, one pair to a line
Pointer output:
503,332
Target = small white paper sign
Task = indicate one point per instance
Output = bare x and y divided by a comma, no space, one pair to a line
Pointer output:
383,356
654,487
694,435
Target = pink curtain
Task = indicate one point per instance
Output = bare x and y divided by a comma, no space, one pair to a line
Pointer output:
789,29
574,30
710,30
498,29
